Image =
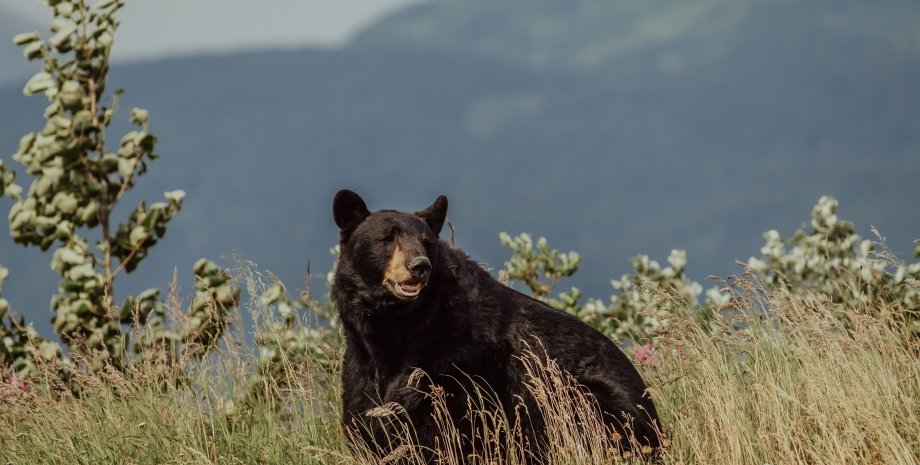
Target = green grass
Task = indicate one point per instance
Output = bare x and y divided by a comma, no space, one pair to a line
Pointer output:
794,387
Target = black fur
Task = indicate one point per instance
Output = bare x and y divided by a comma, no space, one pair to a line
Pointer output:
463,324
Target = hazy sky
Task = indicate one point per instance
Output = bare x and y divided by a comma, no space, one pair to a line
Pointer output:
151,28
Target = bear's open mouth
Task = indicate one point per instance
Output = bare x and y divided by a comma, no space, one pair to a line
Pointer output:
407,290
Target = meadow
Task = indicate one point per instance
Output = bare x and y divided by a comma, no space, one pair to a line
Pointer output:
781,378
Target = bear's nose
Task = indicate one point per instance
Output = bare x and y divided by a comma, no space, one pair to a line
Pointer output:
420,267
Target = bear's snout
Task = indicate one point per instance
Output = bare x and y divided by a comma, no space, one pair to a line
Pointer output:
408,270
420,267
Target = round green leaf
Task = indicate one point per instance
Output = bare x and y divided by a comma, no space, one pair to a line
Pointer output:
26,38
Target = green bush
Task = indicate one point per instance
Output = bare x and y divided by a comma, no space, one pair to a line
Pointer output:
830,259
76,185
301,331
852,272
634,314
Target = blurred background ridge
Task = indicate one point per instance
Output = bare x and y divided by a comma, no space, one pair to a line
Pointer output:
611,127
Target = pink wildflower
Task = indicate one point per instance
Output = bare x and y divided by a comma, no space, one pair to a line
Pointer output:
645,352
681,353
649,355
15,382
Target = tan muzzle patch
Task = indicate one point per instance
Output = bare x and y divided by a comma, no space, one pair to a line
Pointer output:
398,279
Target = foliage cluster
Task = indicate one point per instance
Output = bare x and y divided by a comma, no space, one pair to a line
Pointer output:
632,314
77,185
836,261
830,258
295,330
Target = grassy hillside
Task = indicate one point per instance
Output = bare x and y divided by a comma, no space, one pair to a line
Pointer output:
722,120
797,387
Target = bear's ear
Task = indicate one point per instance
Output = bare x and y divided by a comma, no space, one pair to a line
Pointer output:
348,210
434,215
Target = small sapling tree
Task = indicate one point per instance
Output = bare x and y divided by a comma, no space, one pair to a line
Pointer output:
77,183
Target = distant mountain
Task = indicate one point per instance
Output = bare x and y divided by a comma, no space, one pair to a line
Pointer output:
721,120
668,33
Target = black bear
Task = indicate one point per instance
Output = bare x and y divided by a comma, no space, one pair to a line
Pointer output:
410,301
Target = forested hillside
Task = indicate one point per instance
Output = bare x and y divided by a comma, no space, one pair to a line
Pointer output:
613,128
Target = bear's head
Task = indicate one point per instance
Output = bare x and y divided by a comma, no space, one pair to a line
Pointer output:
388,248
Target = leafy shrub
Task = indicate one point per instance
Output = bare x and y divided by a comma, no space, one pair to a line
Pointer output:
835,261
301,331
20,344
830,258
76,185
633,314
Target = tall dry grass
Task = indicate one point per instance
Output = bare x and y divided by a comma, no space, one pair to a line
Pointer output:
575,432
788,380
801,383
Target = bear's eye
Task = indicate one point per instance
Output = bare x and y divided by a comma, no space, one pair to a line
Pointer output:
391,235
427,241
